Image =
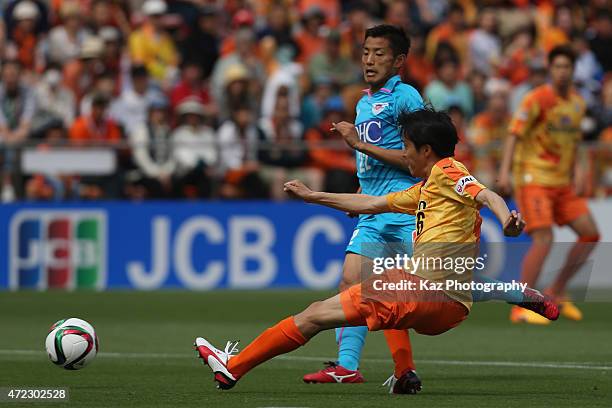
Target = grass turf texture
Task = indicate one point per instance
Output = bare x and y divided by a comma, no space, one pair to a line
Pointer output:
457,368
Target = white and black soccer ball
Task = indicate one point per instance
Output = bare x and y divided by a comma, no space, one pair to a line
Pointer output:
72,343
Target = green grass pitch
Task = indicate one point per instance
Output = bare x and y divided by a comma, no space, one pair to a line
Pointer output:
147,360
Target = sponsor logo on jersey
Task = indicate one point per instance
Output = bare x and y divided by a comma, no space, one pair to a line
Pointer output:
463,182
370,131
57,249
379,107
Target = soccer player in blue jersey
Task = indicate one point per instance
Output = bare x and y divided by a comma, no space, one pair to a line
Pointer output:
377,139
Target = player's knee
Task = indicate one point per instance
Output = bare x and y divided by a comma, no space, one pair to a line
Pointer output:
542,236
590,238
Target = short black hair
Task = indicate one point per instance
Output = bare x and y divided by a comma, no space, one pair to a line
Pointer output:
564,50
398,40
430,127
139,71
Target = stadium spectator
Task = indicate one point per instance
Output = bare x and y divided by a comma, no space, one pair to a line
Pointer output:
560,32
51,187
447,89
190,86
238,138
96,126
521,50
418,70
65,40
195,151
151,46
330,64
484,43
26,44
17,105
310,38
312,104
278,26
115,59
451,31
488,130
104,84
105,13
588,72
463,149
537,76
53,99
130,109
477,80
600,37
282,152
42,12
337,162
152,152
201,47
242,19
244,57
353,31
80,74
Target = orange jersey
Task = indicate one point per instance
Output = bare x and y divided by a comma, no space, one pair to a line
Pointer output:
548,130
447,214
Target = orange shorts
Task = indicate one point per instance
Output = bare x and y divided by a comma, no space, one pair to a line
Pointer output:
427,312
544,206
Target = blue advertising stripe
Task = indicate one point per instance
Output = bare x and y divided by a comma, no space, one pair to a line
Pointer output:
202,246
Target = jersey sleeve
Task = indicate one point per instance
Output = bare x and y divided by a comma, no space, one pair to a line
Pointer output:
405,201
407,99
456,182
525,116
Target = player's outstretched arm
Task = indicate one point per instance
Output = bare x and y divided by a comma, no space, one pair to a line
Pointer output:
511,220
353,203
392,157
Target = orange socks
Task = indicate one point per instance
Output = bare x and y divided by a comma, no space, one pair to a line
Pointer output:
401,350
279,339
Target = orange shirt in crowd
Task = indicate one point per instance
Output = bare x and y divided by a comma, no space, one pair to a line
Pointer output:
309,46
552,37
84,130
446,33
548,130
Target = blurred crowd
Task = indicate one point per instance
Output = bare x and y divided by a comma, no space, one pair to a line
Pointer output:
228,99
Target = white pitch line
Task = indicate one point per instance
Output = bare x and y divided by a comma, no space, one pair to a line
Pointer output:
541,364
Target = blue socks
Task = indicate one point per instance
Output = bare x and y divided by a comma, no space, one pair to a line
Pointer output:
511,296
350,343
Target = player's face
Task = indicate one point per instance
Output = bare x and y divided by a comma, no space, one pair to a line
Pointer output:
561,71
378,62
414,158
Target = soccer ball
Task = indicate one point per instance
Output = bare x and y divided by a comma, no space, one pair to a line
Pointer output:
72,343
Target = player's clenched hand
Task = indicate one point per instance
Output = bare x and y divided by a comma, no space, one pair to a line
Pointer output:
514,225
348,132
298,189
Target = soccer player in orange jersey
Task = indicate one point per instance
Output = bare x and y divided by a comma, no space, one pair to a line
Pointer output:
446,204
541,149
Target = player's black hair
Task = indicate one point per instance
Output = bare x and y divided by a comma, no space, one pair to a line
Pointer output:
564,50
430,127
398,40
